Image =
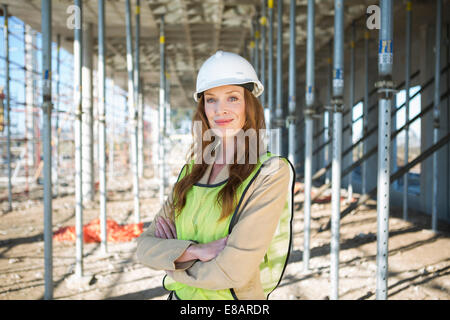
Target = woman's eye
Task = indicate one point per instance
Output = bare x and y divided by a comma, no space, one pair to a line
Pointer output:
234,99
210,100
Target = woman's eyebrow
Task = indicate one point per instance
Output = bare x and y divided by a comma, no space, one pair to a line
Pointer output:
232,92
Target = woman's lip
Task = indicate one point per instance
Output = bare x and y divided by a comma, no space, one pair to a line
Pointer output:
223,121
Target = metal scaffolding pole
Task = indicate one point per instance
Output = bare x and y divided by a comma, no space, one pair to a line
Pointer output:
270,92
46,18
8,100
167,108
101,122
87,117
385,90
351,104
257,36
436,113
329,112
141,113
279,123
292,85
166,127
58,105
162,125
365,110
30,93
26,155
407,85
132,111
78,62
309,125
338,92
111,152
137,90
263,22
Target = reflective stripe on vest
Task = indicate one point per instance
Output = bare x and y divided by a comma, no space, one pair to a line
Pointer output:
199,221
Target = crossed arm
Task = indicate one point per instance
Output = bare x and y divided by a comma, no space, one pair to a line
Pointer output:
165,229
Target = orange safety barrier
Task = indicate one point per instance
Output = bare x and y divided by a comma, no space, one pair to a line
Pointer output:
91,232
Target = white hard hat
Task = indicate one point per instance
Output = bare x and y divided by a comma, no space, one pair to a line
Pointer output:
226,68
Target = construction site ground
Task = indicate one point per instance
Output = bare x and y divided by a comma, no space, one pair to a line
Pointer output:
419,259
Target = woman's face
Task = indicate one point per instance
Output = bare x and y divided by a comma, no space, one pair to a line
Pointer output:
225,109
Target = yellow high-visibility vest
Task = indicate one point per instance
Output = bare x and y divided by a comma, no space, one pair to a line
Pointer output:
199,222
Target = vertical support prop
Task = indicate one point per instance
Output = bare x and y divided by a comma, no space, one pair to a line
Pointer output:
407,86
58,106
46,11
309,126
279,122
111,154
351,104
132,112
290,121
385,90
102,122
161,126
137,91
8,102
270,104
166,126
263,23
329,112
338,92
365,111
78,62
257,36
436,114
87,120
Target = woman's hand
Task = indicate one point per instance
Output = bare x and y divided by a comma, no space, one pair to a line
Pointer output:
208,251
165,228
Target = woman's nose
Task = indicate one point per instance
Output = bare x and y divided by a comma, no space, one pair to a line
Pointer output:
221,107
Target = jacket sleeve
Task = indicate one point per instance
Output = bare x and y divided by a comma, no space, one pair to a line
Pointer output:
157,253
250,237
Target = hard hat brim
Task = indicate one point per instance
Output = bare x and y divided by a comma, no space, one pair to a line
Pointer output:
257,90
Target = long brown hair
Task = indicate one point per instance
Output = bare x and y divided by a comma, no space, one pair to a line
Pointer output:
254,114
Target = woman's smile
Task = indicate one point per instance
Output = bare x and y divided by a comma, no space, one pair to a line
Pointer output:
223,122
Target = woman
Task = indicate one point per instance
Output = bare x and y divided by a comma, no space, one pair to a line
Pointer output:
224,231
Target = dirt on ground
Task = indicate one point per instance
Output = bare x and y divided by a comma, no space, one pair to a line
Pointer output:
419,259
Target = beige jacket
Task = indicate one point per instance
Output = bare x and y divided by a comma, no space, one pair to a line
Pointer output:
237,266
